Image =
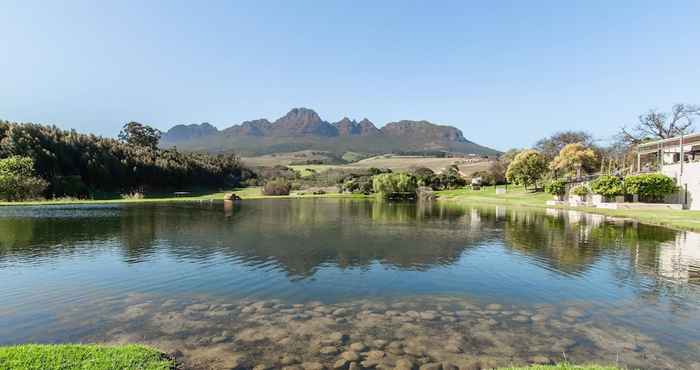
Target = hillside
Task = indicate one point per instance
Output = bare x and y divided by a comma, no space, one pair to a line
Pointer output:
303,129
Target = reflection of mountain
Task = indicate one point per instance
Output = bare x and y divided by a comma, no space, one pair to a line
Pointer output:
299,236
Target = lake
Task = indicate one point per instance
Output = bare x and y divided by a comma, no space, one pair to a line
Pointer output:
308,282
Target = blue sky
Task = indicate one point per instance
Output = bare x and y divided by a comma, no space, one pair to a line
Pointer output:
506,73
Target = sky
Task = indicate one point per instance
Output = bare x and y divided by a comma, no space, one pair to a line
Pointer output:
505,73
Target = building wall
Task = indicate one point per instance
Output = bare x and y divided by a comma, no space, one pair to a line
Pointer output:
690,177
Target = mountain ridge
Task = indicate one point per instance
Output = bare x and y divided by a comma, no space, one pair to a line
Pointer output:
303,128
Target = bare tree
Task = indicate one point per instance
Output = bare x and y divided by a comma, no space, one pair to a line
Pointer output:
662,125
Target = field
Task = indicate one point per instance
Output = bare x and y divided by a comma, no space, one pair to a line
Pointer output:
403,163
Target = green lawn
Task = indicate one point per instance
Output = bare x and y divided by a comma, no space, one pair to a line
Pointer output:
517,196
84,357
244,193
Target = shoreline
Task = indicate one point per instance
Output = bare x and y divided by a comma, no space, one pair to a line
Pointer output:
684,220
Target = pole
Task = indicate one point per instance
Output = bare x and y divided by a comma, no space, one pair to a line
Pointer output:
682,155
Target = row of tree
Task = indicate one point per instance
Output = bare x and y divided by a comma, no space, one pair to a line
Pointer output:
574,154
76,164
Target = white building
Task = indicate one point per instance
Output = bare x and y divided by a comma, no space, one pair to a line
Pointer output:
679,158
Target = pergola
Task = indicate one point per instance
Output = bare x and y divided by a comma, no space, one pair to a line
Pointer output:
656,154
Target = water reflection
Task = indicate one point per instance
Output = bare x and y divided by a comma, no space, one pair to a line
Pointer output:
560,279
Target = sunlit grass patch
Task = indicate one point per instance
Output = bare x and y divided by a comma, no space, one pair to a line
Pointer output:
82,356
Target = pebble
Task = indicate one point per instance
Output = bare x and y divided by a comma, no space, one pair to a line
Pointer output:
521,318
449,366
428,316
340,312
494,307
198,307
312,366
354,366
431,366
358,347
329,350
340,364
262,367
375,355
404,364
289,360
350,356
380,343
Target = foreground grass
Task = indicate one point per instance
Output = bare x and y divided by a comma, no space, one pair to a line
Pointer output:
517,196
561,367
84,357
98,357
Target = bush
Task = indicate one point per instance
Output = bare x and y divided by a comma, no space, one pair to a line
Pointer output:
395,185
17,180
650,187
556,187
607,186
487,177
580,190
278,186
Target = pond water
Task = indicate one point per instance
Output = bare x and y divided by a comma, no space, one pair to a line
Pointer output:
329,282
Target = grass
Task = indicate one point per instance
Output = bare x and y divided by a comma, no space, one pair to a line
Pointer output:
82,356
517,196
244,193
563,366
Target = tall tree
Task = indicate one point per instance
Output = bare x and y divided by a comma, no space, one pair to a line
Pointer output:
656,125
573,159
527,168
552,145
141,135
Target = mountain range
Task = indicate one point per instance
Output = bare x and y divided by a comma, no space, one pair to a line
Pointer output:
303,129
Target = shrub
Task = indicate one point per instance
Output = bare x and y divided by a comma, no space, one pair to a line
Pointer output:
17,180
556,187
607,186
650,186
278,186
395,185
527,168
487,177
580,190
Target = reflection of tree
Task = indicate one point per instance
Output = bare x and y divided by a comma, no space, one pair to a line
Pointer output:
571,242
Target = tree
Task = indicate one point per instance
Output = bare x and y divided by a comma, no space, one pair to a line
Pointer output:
395,185
17,179
656,125
552,145
140,135
573,159
527,168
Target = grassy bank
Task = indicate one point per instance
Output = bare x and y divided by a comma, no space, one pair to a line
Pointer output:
517,196
84,357
98,357
244,193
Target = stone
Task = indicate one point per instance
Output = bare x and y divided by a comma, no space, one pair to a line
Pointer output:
431,366
341,364
520,318
369,364
449,366
337,337
358,347
379,343
539,317
428,316
220,339
293,367
375,355
404,364
312,366
289,360
453,347
262,367
354,366
329,350
340,312
494,307
573,312
248,309
350,356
